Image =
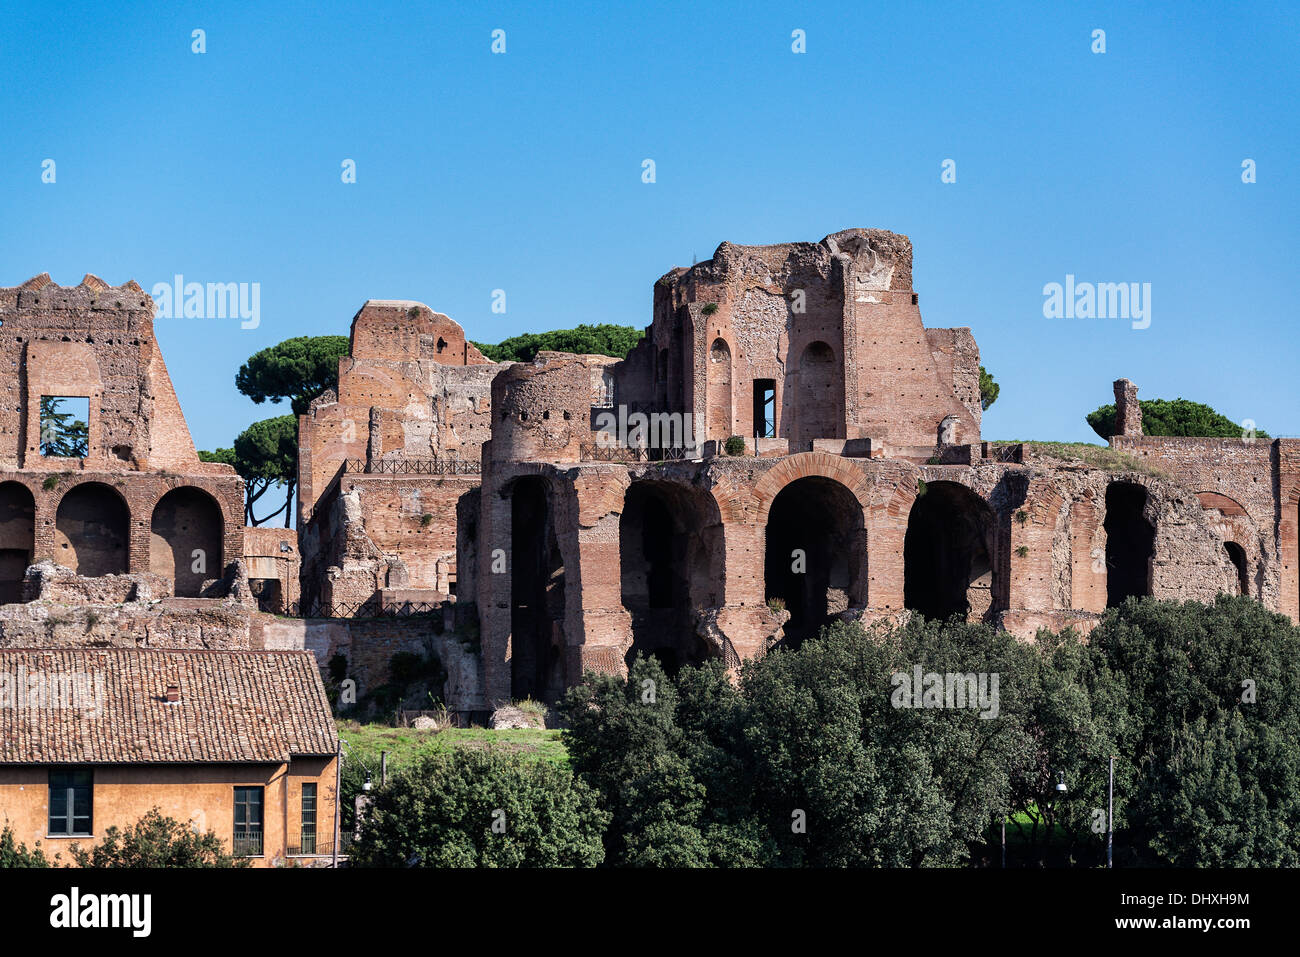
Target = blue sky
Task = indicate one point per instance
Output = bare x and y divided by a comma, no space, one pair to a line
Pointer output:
522,172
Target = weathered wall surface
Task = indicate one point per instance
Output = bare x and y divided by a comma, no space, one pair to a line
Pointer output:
202,794
139,500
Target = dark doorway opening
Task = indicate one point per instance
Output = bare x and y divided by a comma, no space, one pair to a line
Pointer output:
670,565
1237,555
17,538
813,555
536,596
1130,543
947,554
92,531
765,408
186,540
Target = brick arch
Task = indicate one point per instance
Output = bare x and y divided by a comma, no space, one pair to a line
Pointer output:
92,529
17,537
187,532
804,465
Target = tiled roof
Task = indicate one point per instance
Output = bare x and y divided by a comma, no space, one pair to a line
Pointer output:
108,706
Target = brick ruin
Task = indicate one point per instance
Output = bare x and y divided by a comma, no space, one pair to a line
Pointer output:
522,500
133,523
541,519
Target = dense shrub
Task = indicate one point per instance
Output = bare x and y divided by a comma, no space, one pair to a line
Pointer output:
807,760
156,841
13,854
471,808
1172,417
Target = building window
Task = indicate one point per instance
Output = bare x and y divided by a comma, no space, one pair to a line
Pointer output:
309,818
65,433
70,803
765,408
248,822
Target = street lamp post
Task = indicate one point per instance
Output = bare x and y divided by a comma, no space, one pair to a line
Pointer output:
1110,813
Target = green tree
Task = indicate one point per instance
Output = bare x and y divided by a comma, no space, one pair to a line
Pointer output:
1204,706
265,454
470,808
880,784
657,758
298,369
13,854
601,340
59,436
1173,417
156,841
989,389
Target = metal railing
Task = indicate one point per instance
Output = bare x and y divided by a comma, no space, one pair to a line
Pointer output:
626,453
371,608
319,848
430,465
247,844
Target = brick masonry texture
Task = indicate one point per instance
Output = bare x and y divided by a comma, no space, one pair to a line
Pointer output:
432,478
568,557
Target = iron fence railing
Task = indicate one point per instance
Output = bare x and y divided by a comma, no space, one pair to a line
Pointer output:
431,465
317,847
371,608
625,453
247,844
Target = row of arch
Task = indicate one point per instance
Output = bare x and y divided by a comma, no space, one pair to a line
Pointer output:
92,535
956,561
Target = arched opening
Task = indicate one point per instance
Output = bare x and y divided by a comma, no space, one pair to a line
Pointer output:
185,540
92,531
1237,555
670,564
820,399
720,421
1130,543
536,595
813,555
17,538
947,554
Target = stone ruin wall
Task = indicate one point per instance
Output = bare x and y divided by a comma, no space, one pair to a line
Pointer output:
138,510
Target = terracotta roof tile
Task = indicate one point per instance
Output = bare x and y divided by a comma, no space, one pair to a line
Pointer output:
108,706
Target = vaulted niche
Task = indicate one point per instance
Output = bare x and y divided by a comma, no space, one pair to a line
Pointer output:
814,554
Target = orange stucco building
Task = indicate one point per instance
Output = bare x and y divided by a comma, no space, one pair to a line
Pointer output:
241,743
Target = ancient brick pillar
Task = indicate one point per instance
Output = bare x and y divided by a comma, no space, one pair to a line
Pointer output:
1128,413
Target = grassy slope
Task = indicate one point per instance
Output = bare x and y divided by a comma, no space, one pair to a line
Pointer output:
406,744
1098,456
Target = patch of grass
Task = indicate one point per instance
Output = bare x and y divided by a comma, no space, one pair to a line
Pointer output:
50,482
406,745
1097,456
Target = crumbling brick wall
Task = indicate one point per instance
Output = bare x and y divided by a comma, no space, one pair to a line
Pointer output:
139,500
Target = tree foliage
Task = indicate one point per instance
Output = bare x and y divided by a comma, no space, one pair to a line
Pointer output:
808,760
265,454
664,759
1172,417
13,854
156,841
471,808
601,340
298,369
989,389
1205,704
59,436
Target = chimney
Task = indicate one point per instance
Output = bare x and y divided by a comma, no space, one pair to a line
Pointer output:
173,694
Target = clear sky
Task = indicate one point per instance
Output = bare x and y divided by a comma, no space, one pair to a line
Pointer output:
522,171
